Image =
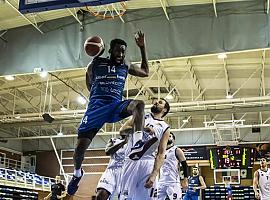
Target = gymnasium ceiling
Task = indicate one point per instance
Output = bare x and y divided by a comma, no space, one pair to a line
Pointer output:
198,86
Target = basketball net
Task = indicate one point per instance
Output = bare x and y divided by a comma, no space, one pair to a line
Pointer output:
108,11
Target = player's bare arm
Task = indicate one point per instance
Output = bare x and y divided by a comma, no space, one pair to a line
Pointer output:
111,148
159,159
255,185
134,69
182,159
88,77
203,185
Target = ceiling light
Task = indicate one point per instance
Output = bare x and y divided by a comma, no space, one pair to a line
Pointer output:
229,96
81,100
60,134
169,97
185,120
43,74
222,55
63,108
17,117
9,77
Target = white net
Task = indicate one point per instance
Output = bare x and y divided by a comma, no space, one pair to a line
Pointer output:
108,11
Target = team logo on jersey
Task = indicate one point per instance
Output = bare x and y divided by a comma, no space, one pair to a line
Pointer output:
104,181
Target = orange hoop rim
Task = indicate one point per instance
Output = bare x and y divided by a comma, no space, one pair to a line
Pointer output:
96,13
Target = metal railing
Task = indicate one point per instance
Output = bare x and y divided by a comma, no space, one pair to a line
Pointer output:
14,164
28,180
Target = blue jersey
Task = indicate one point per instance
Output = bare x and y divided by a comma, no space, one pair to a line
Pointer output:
193,181
108,80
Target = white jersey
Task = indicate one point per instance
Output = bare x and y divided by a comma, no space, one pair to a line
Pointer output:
159,126
264,184
117,159
169,172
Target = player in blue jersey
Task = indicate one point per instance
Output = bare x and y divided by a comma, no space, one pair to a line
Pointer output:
195,184
105,80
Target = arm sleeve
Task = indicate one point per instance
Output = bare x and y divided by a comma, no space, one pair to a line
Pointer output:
185,168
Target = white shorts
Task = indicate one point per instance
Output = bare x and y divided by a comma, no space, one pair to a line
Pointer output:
134,176
110,180
171,190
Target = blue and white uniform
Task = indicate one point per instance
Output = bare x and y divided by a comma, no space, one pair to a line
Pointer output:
169,181
105,102
135,173
111,178
192,194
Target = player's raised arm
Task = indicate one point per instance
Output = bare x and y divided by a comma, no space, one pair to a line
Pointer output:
143,70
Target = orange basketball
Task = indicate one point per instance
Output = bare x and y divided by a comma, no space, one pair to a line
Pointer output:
93,45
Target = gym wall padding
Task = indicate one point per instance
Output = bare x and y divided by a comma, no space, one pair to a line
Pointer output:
192,30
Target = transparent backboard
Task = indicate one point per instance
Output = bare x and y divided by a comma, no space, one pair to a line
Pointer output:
227,176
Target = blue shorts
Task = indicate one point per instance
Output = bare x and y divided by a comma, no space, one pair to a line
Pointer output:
100,112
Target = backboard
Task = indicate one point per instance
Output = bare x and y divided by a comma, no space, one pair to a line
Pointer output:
227,176
31,6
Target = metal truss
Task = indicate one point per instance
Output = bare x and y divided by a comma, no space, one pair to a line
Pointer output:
34,24
195,79
171,88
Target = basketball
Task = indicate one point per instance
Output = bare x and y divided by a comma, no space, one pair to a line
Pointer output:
93,46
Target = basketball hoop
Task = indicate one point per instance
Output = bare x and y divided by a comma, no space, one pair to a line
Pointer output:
108,11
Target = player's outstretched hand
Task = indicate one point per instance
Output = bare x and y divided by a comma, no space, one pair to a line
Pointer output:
150,181
139,38
149,130
184,184
257,195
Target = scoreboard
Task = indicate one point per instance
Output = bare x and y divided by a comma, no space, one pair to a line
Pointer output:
231,157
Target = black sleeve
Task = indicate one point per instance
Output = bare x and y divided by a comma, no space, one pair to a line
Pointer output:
185,168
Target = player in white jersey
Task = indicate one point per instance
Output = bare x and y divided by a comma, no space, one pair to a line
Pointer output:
262,179
139,176
109,183
169,181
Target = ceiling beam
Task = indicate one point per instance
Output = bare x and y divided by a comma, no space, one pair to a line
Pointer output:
164,7
235,110
172,89
195,78
74,14
268,5
215,8
29,21
228,87
144,90
262,82
245,82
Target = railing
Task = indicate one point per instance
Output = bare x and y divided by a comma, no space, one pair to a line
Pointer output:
14,164
28,180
